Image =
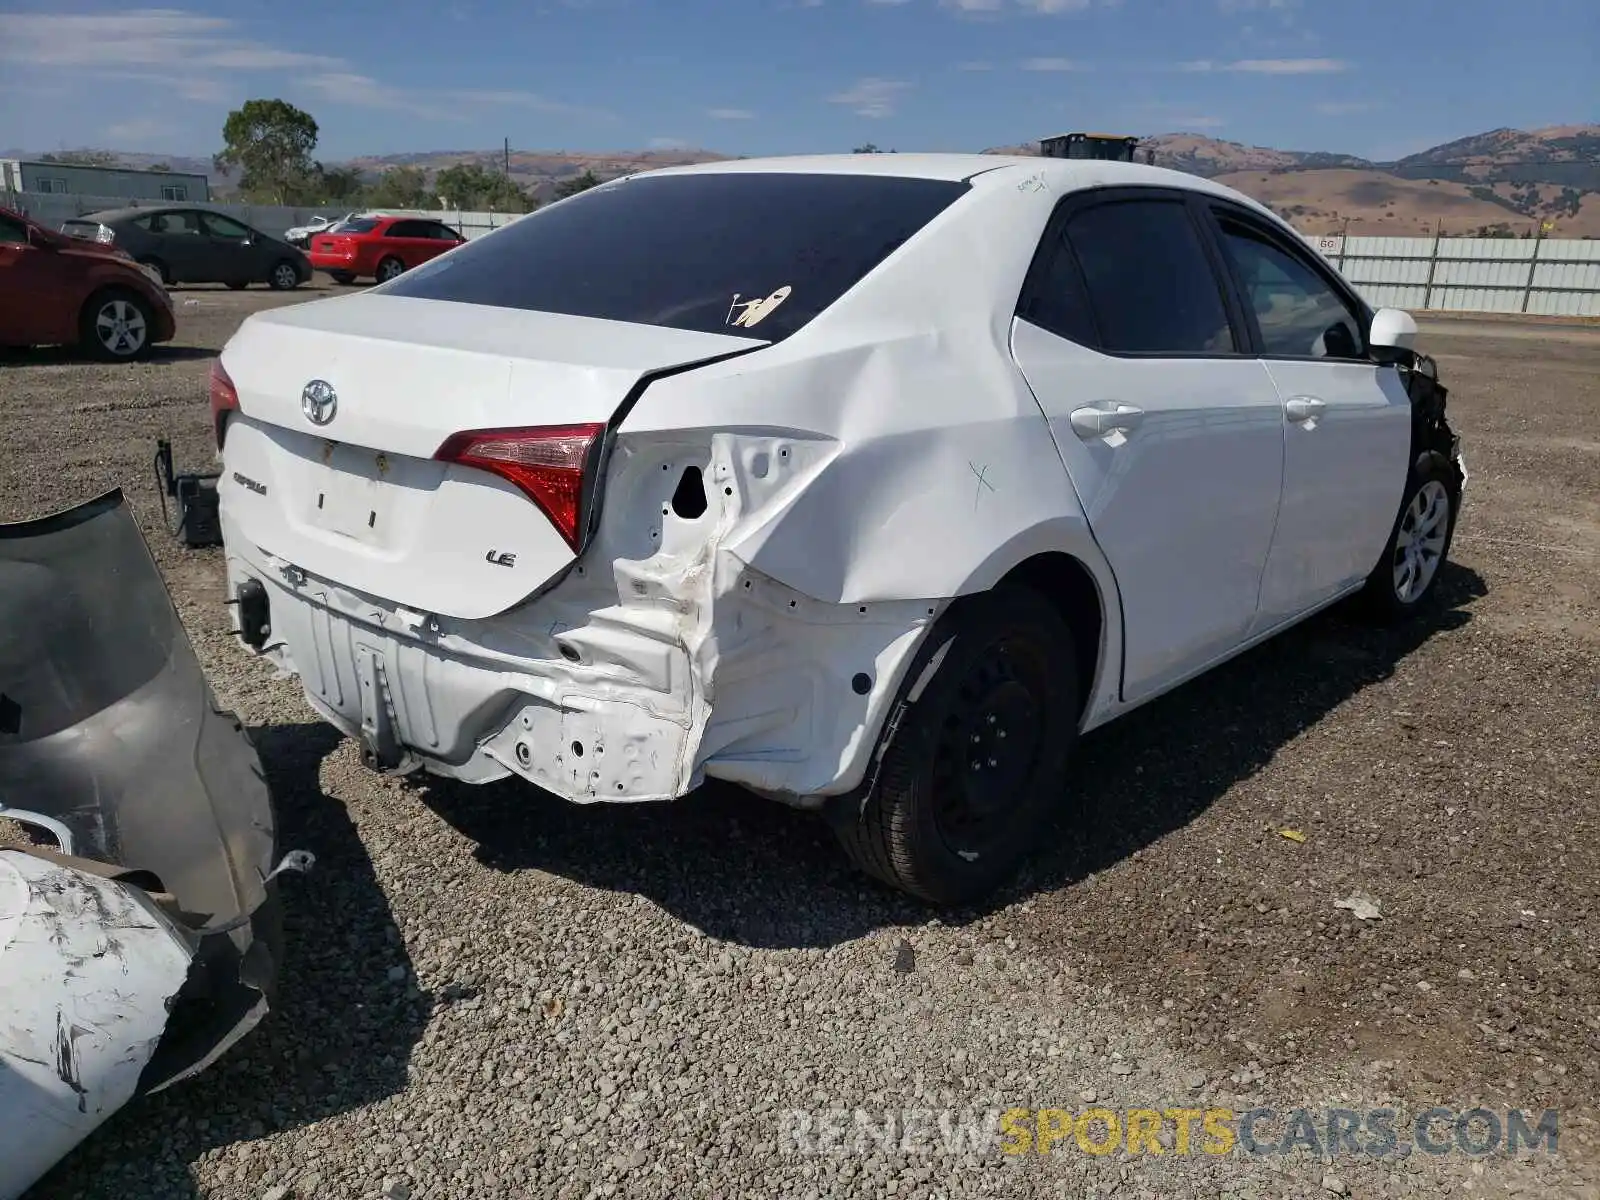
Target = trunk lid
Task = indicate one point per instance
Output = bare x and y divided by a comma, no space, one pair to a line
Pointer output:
360,499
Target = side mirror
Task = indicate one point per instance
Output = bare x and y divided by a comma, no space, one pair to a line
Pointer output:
41,240
1393,329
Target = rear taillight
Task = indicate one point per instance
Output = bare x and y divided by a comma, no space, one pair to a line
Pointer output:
224,400
550,464
105,235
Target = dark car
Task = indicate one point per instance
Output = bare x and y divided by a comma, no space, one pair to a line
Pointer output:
57,291
196,245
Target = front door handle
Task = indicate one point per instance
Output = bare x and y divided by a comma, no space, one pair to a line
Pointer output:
1099,420
1304,408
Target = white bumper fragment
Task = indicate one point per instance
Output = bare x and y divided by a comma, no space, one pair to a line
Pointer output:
87,970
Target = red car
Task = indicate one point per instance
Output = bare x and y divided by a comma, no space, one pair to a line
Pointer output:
380,247
60,291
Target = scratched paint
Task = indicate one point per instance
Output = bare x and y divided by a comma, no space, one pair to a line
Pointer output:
86,974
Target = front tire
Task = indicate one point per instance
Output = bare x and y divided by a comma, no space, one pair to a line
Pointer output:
975,763
390,268
1405,579
115,326
284,277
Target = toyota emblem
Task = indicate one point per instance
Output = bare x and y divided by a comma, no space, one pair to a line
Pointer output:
319,401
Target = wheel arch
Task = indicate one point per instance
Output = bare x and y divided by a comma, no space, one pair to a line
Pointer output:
1073,591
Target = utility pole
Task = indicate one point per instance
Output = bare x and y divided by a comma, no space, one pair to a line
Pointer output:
508,158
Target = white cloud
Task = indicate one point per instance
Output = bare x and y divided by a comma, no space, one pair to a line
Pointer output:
1289,66
975,66
202,58
1050,64
1047,8
888,3
731,114
363,91
1270,66
143,38
139,130
872,97
1235,6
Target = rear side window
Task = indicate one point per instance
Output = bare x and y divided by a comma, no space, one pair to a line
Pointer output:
81,229
732,252
1148,279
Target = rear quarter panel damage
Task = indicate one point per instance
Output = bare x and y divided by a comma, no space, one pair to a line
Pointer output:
834,492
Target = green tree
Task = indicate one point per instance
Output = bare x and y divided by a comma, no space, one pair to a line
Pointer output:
869,148
340,185
576,184
270,141
401,187
470,186
164,168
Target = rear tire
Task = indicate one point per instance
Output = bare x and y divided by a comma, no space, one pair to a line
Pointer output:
390,268
1404,581
284,277
970,771
115,326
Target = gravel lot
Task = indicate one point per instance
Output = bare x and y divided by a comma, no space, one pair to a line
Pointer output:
489,993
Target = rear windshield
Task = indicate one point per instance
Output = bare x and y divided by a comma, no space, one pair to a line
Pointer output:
353,225
81,229
721,253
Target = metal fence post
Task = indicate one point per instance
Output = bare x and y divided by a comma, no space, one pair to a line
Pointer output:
1433,265
1533,265
1344,241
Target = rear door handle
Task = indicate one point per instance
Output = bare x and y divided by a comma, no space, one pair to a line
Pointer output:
1304,408
1098,420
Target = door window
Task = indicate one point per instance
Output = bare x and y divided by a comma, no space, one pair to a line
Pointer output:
171,223
1149,283
226,227
406,229
1299,313
1055,299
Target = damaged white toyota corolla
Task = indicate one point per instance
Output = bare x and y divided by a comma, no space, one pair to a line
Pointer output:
867,483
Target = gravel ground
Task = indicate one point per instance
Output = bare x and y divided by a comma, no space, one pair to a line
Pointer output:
489,993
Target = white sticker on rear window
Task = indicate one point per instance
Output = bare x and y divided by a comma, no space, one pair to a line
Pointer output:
752,312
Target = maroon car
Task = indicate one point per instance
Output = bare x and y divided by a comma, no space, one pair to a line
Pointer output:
61,291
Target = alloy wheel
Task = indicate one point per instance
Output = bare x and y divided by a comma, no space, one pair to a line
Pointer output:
1419,545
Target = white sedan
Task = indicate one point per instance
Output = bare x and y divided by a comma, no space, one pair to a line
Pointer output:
868,483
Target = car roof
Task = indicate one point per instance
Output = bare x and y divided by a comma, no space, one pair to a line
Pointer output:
1058,175
107,215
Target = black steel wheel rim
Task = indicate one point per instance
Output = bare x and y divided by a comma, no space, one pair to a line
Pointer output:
988,747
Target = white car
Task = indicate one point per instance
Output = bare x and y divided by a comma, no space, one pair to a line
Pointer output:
868,483
299,235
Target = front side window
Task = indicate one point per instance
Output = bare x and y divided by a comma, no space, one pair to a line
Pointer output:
13,233
743,253
1149,282
1300,315
404,229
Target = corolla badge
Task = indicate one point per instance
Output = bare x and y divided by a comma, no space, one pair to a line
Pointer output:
319,402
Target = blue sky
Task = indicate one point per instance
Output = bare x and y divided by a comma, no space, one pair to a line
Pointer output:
1380,78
